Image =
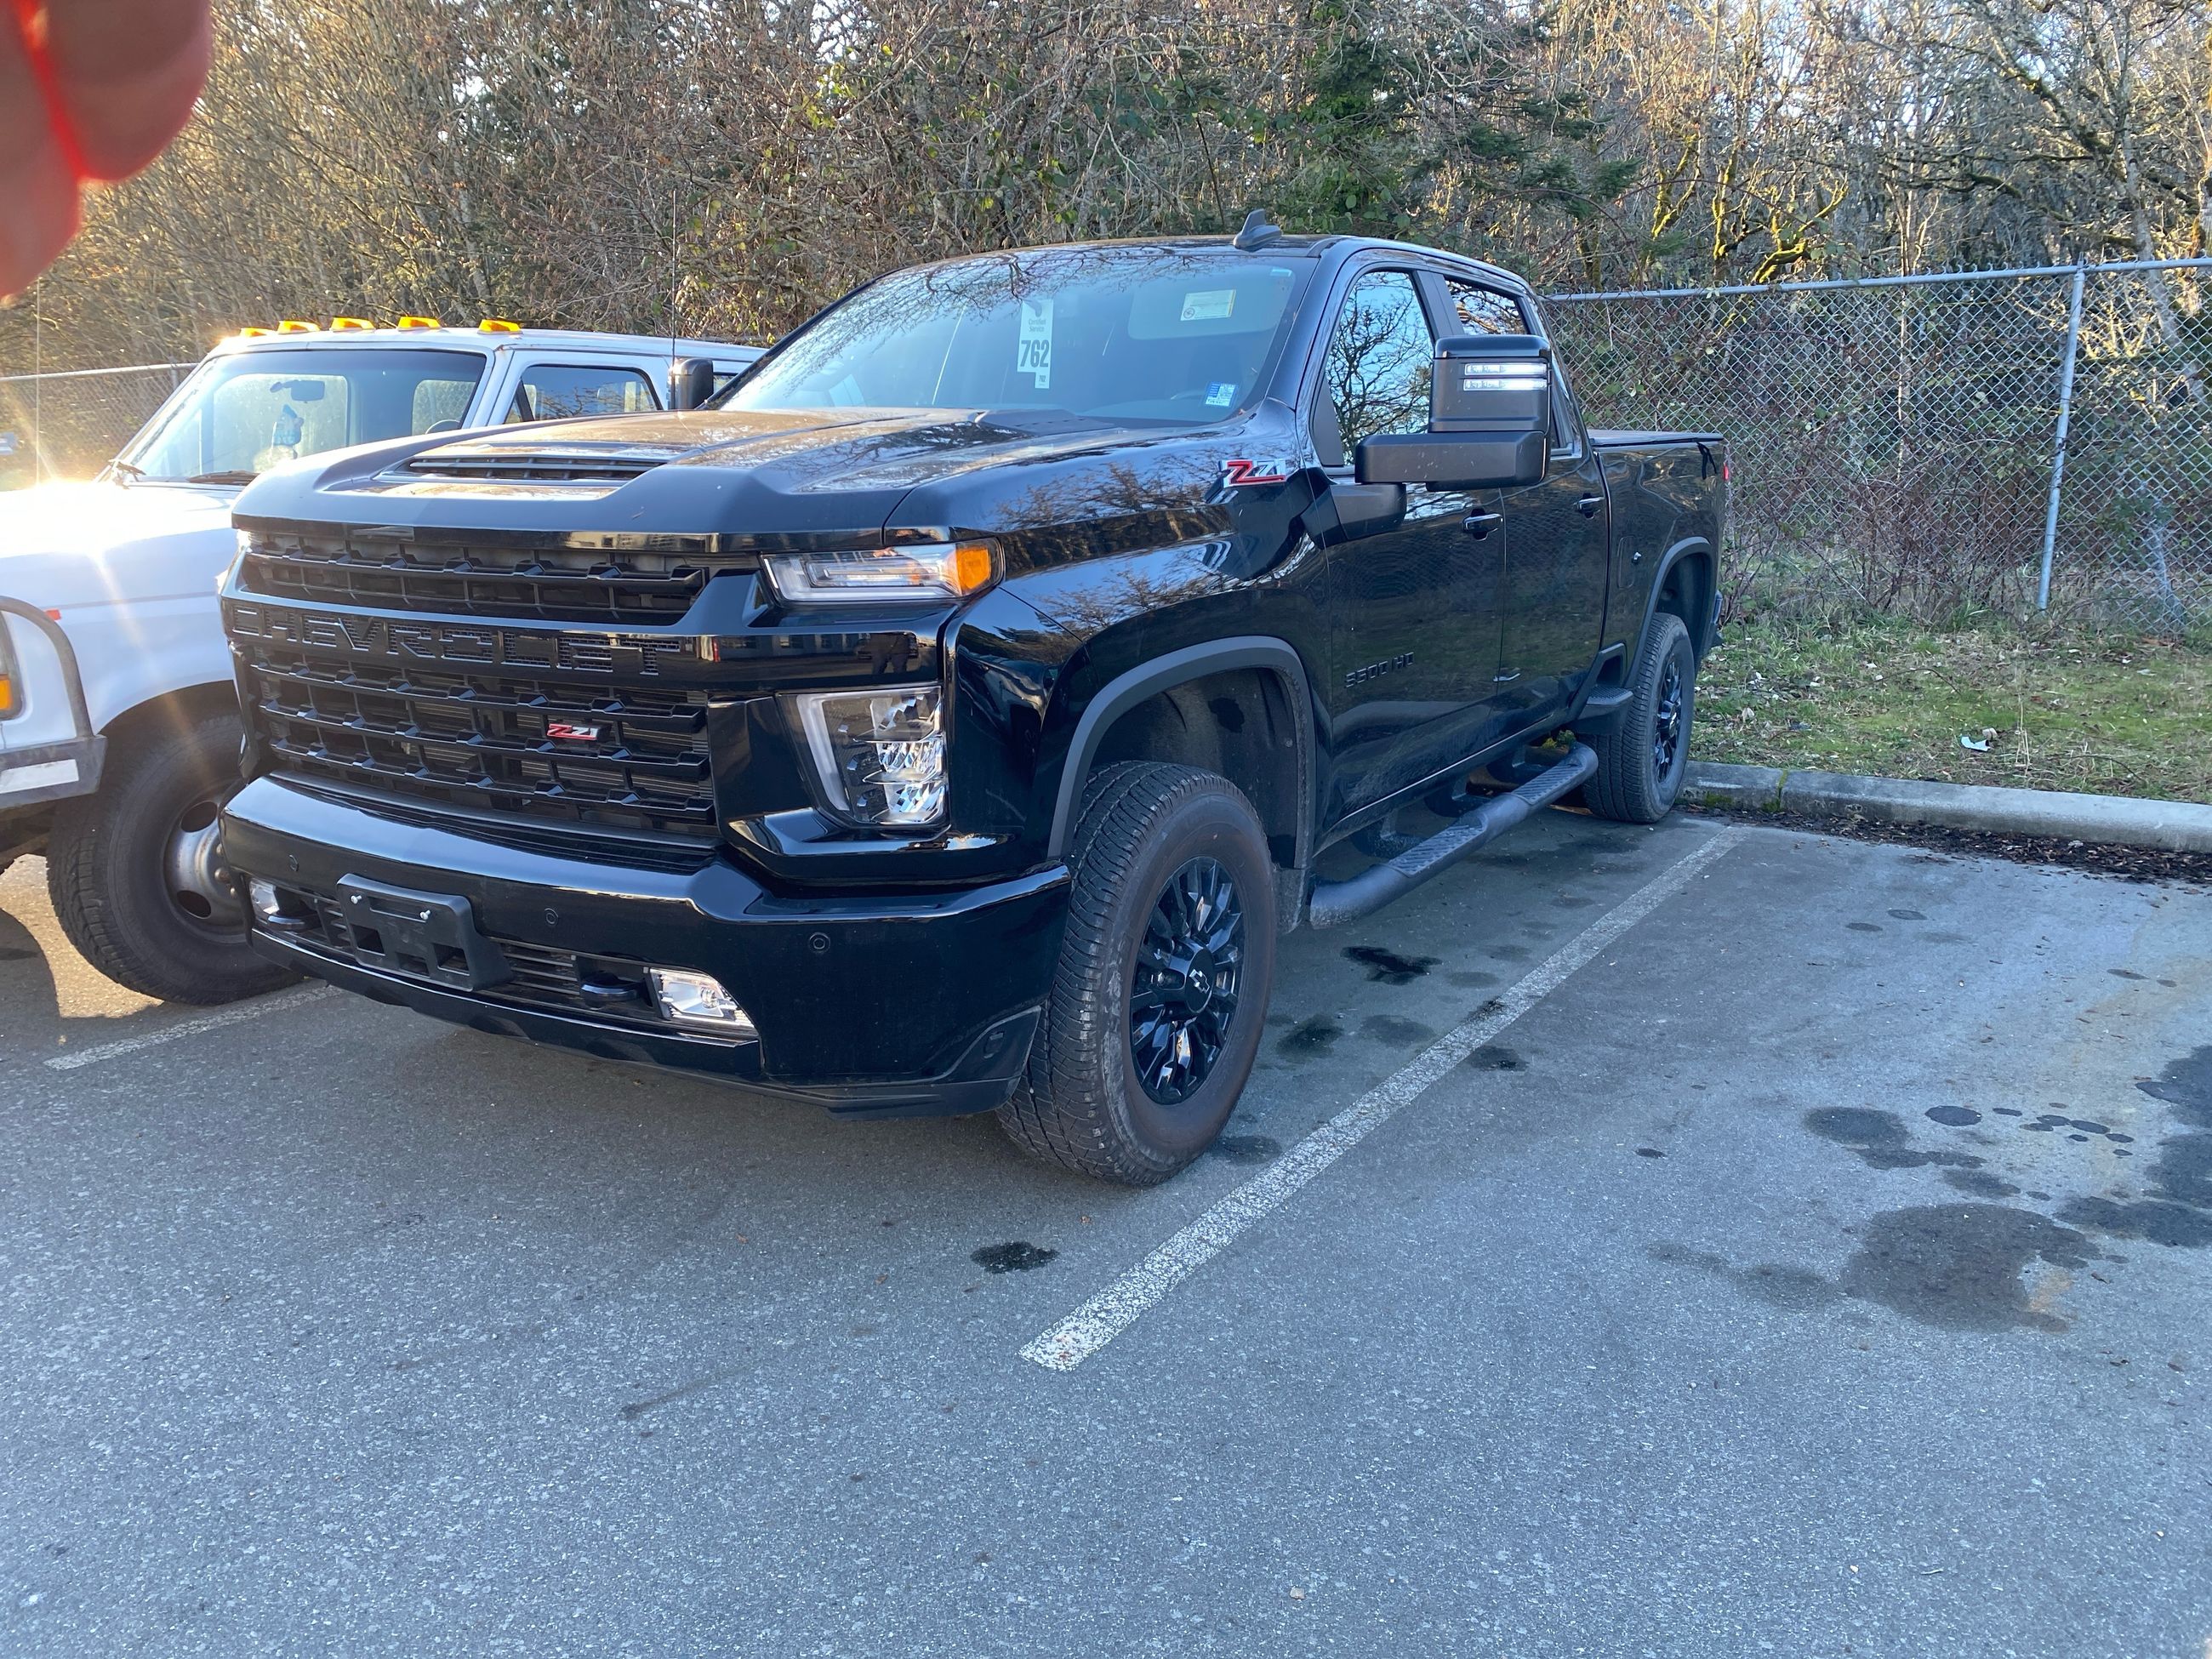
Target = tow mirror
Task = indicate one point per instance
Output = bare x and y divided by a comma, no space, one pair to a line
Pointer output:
691,381
1490,420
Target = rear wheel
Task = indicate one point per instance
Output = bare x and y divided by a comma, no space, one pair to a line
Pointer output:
137,873
1641,763
1157,1004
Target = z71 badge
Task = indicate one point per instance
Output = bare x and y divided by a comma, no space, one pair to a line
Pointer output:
570,733
1241,472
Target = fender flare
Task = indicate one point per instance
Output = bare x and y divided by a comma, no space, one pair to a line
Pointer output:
1125,691
1700,631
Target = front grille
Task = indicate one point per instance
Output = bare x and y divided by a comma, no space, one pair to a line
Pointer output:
630,757
539,584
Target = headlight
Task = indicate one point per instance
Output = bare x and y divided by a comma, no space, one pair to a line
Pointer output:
880,755
933,570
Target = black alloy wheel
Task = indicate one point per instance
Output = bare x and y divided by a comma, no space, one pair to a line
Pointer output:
1667,727
1189,972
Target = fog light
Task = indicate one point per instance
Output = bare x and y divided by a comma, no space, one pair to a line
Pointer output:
697,999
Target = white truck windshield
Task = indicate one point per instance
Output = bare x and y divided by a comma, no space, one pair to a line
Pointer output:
1151,334
244,413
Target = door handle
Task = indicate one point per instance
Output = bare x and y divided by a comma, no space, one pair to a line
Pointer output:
1588,505
1479,525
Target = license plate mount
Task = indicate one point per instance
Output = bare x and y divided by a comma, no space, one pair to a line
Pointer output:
431,937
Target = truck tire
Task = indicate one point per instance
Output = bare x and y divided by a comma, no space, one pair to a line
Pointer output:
135,873
1157,1006
1640,762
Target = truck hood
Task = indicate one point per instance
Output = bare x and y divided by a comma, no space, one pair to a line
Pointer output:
810,451
64,544
771,477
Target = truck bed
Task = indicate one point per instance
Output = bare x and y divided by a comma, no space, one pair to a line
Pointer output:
1611,438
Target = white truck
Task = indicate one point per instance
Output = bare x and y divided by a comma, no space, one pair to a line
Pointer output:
119,722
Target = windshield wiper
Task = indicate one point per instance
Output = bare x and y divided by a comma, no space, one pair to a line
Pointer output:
236,477
126,470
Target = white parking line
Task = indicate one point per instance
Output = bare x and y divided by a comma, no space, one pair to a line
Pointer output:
273,1004
1115,1309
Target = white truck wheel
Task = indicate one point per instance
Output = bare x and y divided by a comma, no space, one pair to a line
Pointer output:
135,869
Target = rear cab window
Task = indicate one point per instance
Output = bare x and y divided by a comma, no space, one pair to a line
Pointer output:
1480,310
567,392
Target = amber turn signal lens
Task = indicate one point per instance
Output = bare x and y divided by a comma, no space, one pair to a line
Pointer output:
971,567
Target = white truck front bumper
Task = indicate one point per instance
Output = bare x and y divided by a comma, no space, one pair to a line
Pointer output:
48,749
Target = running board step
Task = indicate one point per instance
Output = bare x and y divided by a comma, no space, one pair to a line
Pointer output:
1336,902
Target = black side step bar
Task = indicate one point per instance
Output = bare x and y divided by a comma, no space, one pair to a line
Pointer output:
1336,902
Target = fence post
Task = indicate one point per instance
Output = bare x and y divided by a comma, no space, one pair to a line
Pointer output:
2058,447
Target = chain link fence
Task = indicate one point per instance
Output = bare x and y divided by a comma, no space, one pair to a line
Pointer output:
1936,446
69,425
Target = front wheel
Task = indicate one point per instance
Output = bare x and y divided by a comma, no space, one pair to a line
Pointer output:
1157,1005
1641,762
137,874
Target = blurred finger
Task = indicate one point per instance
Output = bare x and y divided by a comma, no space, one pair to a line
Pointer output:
127,73
38,193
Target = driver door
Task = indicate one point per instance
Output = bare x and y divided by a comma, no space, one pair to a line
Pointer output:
1414,636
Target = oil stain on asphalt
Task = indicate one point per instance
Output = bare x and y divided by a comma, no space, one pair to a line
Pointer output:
1014,1258
1955,1267
1495,1057
1959,1267
2175,1207
1880,1140
1308,1037
1388,966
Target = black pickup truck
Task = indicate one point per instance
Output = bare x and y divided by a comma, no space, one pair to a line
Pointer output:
949,717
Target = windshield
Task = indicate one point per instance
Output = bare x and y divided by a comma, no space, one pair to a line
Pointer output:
245,413
1144,334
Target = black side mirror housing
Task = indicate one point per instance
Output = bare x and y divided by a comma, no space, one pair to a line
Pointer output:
1490,420
691,382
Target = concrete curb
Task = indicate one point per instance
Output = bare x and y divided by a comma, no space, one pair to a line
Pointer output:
2175,826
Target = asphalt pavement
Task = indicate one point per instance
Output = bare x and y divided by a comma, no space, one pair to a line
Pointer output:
1699,1240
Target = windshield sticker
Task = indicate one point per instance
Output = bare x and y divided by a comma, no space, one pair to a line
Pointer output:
1221,394
1212,306
1033,350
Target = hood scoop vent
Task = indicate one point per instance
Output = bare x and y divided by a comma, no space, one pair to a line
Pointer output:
597,464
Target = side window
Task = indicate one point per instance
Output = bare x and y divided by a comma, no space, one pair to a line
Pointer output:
1565,426
564,392
1486,310
1380,356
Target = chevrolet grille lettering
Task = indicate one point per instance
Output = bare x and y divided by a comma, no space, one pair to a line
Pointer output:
629,655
